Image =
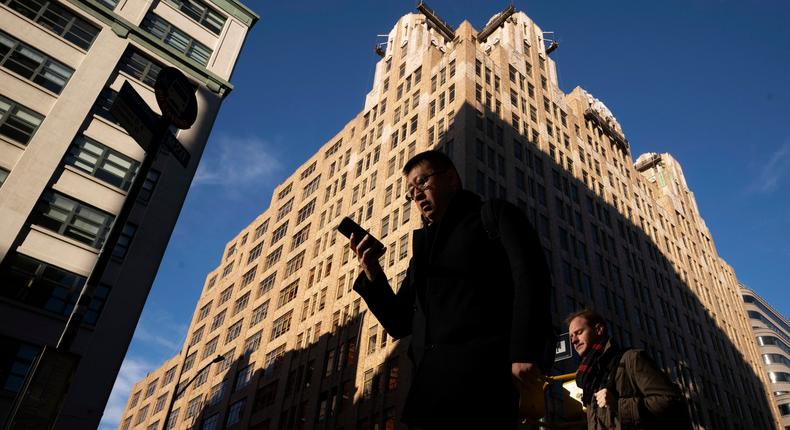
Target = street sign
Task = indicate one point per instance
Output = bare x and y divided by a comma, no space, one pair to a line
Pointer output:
134,115
176,97
177,149
563,350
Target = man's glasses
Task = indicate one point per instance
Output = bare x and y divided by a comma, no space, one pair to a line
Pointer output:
420,183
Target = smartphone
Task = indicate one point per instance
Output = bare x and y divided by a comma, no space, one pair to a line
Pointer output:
348,226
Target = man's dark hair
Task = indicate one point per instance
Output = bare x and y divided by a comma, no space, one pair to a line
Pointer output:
593,318
437,159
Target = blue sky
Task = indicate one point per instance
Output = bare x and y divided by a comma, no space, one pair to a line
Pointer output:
706,81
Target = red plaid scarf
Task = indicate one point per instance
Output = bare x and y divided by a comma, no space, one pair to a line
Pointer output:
593,369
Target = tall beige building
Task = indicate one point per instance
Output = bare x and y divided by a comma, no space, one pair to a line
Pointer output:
66,167
772,333
625,237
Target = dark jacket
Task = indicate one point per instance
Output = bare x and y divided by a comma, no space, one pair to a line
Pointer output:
646,398
472,309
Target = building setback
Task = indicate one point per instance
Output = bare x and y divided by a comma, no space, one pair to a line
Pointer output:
772,334
66,166
623,237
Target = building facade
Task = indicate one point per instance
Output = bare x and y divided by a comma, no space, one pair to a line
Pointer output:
772,334
624,237
66,166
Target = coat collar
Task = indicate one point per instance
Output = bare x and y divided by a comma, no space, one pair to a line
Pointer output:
461,204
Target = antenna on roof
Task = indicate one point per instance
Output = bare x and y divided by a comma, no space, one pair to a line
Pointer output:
381,47
553,44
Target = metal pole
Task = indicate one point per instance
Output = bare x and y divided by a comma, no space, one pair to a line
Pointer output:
86,295
177,392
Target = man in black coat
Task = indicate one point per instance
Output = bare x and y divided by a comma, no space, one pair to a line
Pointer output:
477,307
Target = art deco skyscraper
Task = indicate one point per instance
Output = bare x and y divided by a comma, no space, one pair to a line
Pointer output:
66,166
624,237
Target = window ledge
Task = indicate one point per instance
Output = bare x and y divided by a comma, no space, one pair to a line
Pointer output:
66,239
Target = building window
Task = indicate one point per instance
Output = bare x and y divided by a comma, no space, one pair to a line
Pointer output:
294,264
141,415
286,208
111,4
273,360
48,287
73,219
259,313
217,392
176,38
265,396
281,325
218,320
241,303
17,122
279,233
273,258
102,162
148,186
201,13
266,284
193,408
305,212
210,348
234,331
33,64
247,278
255,253
16,357
228,269
234,413
58,20
300,237
139,66
3,175
124,240
261,229
287,294
252,343
151,388
196,336
243,377
211,423
169,376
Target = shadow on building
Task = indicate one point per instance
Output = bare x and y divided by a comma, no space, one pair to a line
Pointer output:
599,259
320,386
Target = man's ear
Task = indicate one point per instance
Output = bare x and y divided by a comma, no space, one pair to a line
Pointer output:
599,329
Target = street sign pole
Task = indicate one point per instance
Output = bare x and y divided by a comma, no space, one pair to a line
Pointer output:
37,405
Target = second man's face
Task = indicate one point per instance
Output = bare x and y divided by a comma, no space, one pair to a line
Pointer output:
582,335
430,189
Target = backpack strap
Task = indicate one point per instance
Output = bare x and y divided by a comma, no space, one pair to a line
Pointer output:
489,214
613,364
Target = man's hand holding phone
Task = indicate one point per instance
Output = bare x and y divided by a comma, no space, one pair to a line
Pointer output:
366,247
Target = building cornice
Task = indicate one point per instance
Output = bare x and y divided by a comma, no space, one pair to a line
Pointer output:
125,29
238,11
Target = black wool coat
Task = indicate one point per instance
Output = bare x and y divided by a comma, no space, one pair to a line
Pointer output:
473,305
